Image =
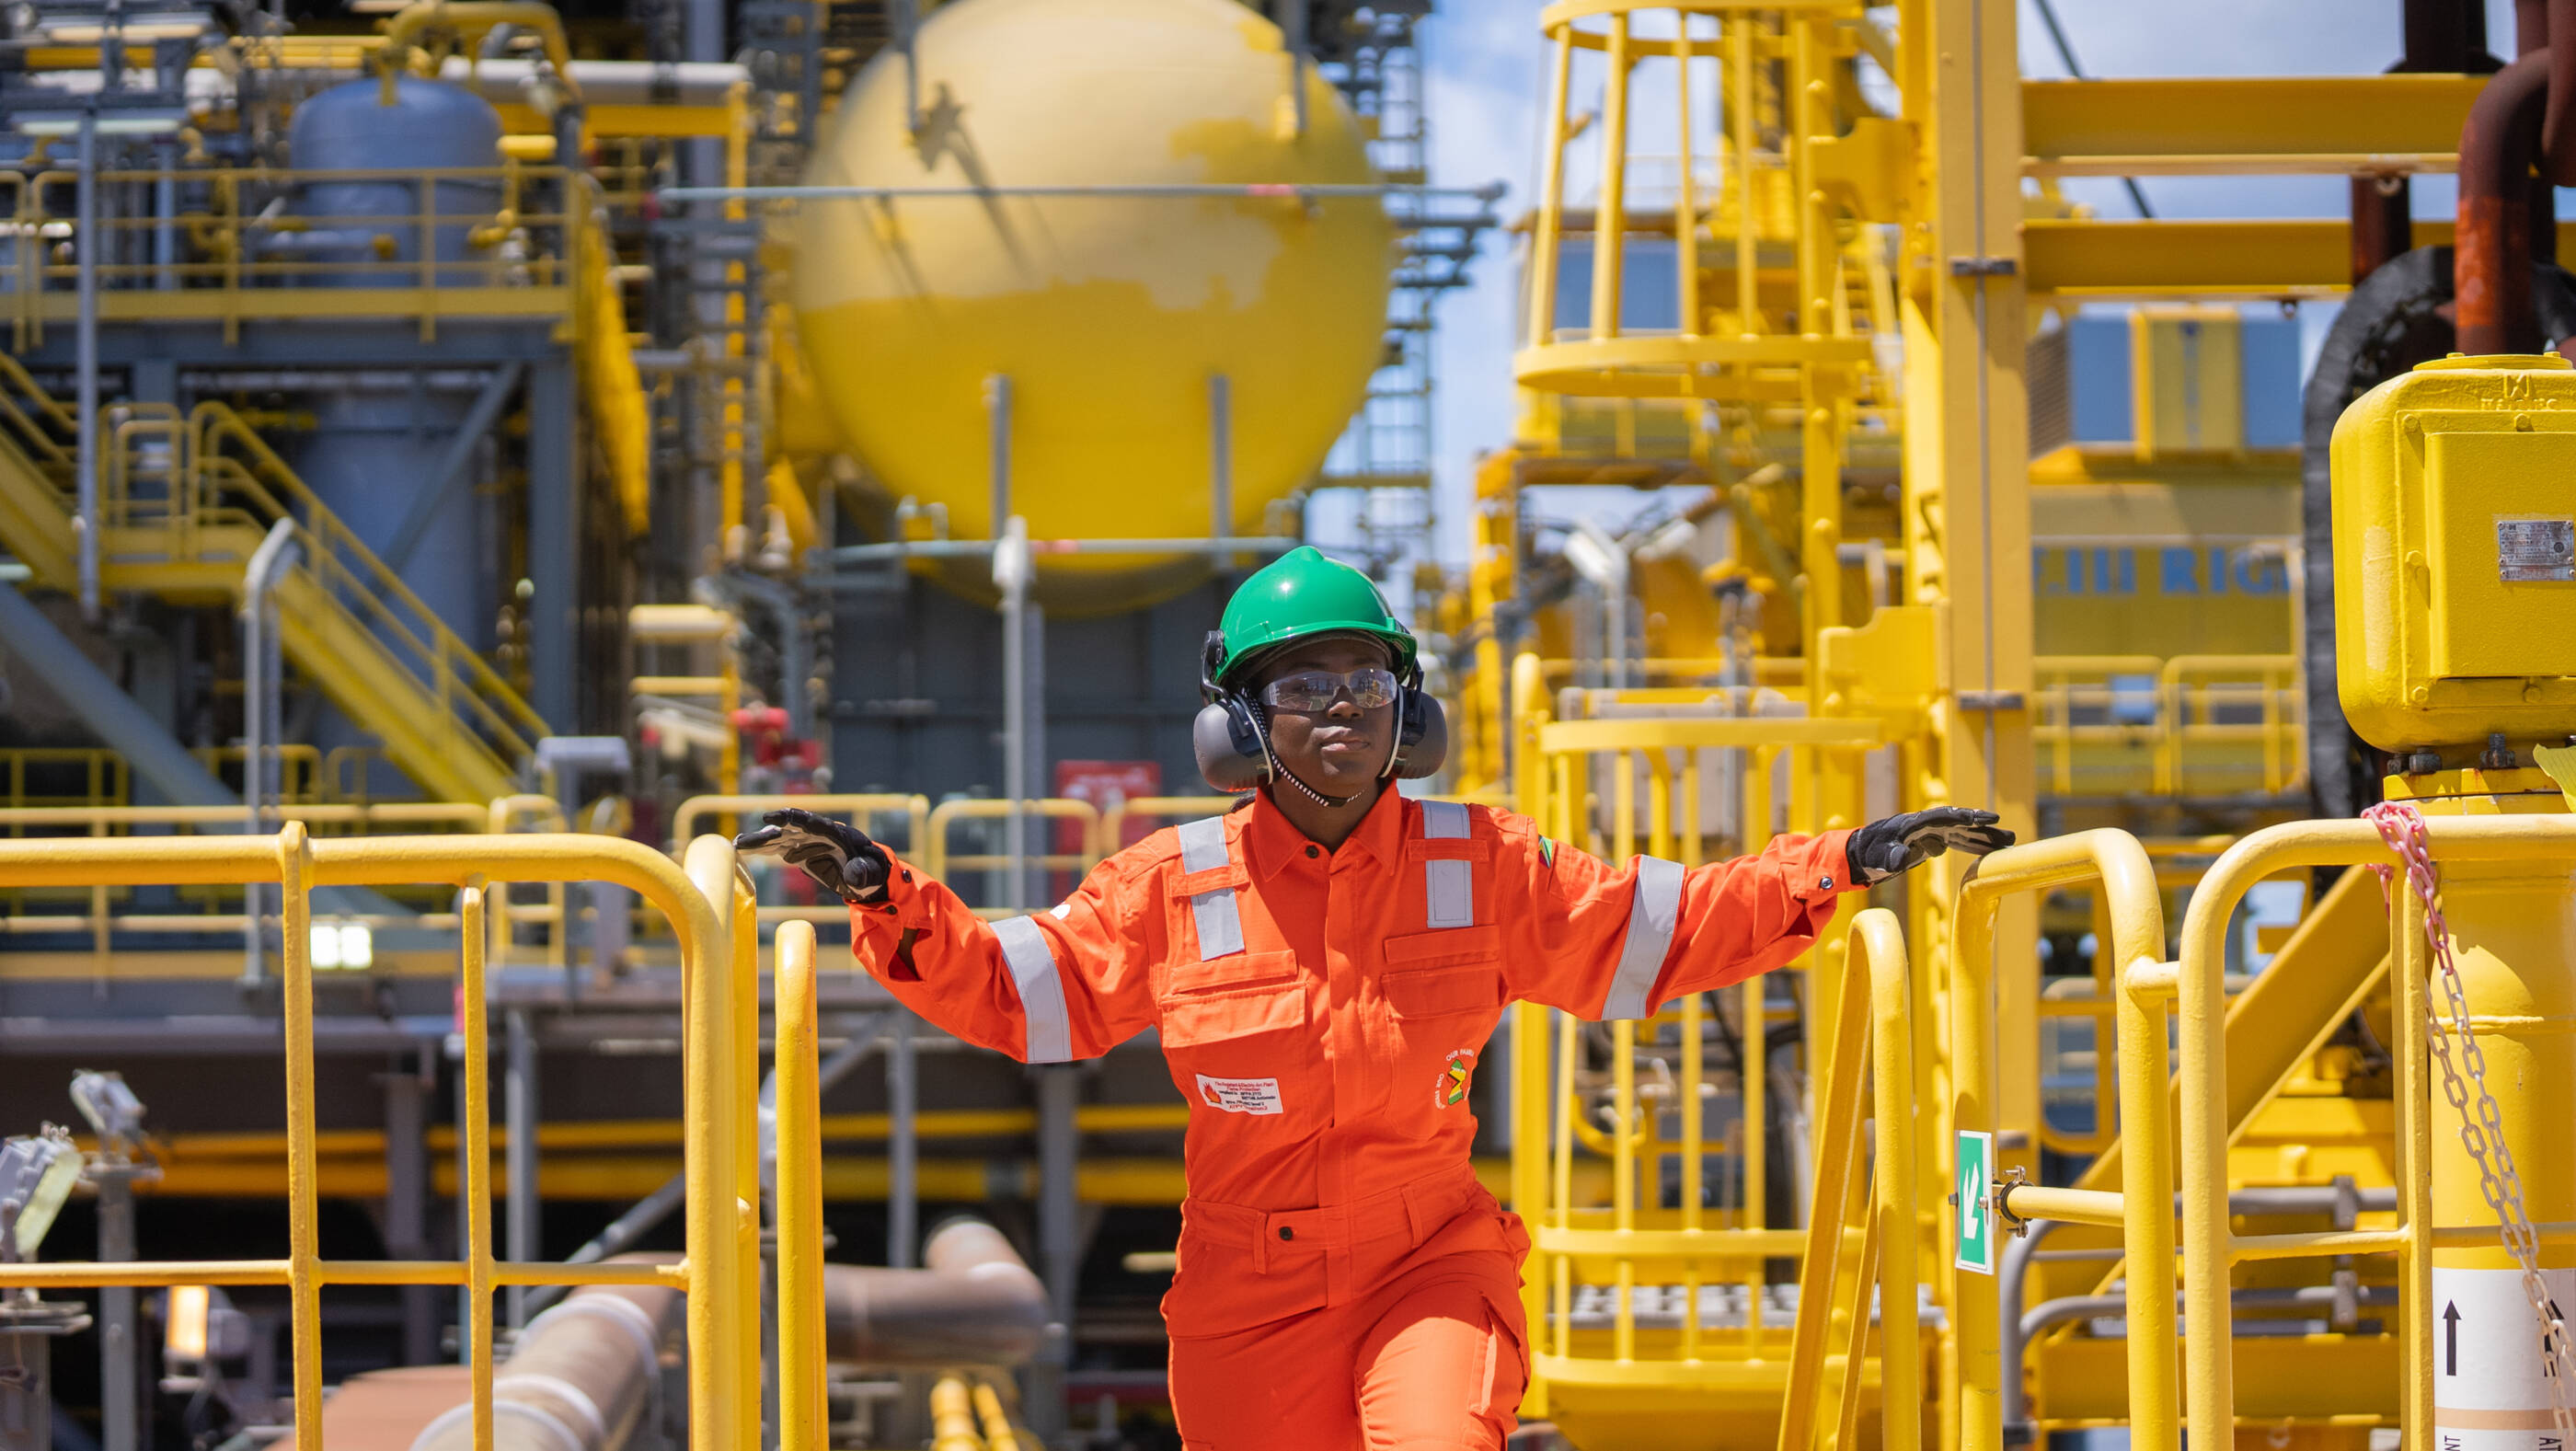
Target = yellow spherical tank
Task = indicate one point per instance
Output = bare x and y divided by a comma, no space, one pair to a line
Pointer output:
1110,315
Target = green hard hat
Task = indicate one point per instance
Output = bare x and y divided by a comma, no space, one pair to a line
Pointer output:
1302,594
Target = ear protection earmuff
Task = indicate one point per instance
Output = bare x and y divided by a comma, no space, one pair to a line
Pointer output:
1233,755
1421,732
1232,742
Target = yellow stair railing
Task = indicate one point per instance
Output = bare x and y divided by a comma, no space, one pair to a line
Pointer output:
184,502
1627,1347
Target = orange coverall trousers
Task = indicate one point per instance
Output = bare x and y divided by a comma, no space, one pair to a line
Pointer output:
1343,1280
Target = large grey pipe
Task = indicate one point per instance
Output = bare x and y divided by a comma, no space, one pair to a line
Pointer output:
584,1375
978,1303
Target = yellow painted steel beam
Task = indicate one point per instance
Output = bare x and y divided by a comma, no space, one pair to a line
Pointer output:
2259,125
2267,257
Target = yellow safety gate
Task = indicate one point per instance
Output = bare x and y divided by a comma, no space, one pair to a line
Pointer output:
705,904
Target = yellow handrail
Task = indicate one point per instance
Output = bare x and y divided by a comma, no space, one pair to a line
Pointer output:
1113,822
1583,781
801,1419
1879,1021
2210,1247
720,1378
2127,879
916,809
938,863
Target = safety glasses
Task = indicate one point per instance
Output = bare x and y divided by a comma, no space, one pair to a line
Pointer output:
1314,691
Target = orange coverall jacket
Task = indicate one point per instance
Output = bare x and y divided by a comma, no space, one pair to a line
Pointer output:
1322,1010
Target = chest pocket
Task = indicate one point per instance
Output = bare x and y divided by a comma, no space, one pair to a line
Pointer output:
1241,996
1437,974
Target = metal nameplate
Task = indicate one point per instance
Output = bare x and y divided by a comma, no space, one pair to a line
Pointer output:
2536,550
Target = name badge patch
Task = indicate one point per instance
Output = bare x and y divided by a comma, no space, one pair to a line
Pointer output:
1240,1095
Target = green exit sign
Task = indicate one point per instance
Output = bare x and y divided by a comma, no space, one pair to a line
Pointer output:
1976,1218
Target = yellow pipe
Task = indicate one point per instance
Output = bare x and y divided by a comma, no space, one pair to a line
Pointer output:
953,1426
2071,1206
998,1435
802,1423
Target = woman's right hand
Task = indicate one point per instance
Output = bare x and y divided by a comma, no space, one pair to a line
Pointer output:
834,853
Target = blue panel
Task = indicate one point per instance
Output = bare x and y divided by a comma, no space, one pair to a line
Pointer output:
1649,296
2097,366
2272,382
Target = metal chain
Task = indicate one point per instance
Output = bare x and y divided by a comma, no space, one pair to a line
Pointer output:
2402,826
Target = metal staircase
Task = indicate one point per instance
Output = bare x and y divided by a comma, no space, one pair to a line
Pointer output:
183,501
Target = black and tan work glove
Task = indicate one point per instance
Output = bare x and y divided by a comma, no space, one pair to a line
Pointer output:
834,853
1897,844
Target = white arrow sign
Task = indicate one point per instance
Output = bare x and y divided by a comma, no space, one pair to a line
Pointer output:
2490,1373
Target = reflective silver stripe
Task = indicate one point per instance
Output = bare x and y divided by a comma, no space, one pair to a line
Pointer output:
1032,960
1444,819
1220,928
1653,911
1448,887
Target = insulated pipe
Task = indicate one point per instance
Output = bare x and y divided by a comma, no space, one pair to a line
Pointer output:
2492,263
263,712
978,1303
582,1377
2558,119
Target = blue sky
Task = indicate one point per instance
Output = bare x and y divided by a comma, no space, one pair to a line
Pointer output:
1486,86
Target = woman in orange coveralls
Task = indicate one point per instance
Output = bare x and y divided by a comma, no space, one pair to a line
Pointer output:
1324,965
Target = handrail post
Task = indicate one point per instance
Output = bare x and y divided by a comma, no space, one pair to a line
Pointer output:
719,1379
2147,1231
801,1420
303,1210
1881,949
1837,1154
2127,881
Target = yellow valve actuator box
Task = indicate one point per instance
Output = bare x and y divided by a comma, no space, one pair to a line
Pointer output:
2455,554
